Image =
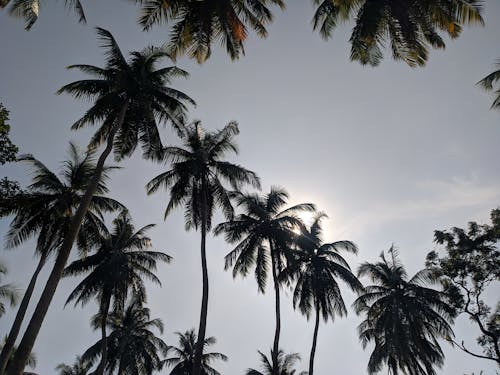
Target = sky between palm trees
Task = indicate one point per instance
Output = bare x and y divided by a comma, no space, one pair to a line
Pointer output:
389,153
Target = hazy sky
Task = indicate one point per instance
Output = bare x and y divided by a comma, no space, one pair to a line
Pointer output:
389,153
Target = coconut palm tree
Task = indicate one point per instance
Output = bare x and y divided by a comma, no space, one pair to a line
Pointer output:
31,363
30,9
196,182
315,268
263,232
130,98
79,367
117,269
45,210
199,23
8,292
183,355
410,26
488,82
133,347
403,318
286,364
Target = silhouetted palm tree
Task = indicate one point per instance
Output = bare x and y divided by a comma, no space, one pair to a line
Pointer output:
45,210
199,23
488,82
403,318
410,26
133,347
285,365
8,292
32,360
263,231
129,97
30,9
315,268
79,367
196,182
115,271
183,355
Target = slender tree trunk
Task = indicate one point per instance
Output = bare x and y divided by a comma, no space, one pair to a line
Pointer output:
104,337
204,300
315,339
29,338
276,344
21,313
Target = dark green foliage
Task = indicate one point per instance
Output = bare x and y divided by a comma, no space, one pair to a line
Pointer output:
182,359
263,231
410,27
197,24
46,207
7,292
130,98
8,150
8,153
80,367
198,170
403,318
488,83
30,9
471,266
118,266
315,268
133,347
286,364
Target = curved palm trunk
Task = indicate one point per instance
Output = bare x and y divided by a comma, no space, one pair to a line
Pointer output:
104,336
29,338
21,313
274,354
315,339
198,353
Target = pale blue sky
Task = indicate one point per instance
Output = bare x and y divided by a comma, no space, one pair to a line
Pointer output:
389,153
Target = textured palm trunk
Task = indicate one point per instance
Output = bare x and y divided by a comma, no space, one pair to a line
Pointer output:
104,337
315,339
276,343
29,338
21,313
198,353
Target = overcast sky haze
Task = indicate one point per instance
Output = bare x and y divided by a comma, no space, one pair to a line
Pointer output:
389,153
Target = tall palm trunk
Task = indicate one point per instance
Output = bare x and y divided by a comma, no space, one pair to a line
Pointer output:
104,336
21,313
198,353
29,338
274,354
315,339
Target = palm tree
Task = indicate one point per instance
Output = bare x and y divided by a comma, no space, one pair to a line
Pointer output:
285,365
45,210
31,363
7,292
316,268
183,355
263,231
130,96
79,367
403,318
411,26
114,271
196,182
30,9
133,347
488,82
199,23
